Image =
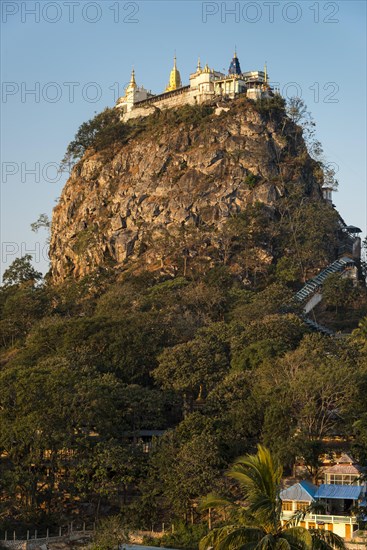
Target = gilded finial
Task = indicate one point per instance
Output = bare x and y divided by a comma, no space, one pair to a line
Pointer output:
198,68
132,83
175,78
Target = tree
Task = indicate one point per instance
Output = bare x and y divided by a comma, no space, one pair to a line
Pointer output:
255,522
296,109
337,291
359,335
185,463
97,133
309,231
23,306
110,534
43,221
194,368
21,271
297,112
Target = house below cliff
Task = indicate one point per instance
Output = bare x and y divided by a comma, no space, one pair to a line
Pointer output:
342,498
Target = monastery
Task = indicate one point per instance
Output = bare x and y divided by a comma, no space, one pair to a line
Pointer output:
205,84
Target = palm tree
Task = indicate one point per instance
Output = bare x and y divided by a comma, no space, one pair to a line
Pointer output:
255,523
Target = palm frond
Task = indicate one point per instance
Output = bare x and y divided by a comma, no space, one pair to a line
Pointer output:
259,477
214,501
298,537
326,540
282,544
231,537
266,543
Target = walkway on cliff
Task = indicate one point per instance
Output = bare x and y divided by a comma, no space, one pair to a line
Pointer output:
311,293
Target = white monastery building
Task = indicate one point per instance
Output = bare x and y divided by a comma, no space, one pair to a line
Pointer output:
205,84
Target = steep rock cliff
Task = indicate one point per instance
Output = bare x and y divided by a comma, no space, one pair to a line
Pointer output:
119,207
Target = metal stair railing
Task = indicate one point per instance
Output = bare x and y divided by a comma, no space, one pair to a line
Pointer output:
316,282
317,327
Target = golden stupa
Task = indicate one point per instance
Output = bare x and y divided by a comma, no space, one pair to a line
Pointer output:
174,78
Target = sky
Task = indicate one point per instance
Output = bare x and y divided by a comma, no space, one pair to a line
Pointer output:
64,61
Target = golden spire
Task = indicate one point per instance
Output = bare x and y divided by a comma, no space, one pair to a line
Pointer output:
132,83
174,78
198,68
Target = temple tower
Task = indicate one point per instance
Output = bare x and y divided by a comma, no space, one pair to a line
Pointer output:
174,78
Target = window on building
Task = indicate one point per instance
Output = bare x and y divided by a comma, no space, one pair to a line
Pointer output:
341,479
287,505
302,505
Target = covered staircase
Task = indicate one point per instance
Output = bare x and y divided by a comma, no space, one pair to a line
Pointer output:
314,286
315,283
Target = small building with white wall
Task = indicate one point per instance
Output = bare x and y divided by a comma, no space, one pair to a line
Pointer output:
340,497
204,84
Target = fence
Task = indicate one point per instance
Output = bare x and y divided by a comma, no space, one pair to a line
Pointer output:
16,540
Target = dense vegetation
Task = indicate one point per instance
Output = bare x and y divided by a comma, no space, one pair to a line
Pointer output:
255,520
211,362
218,367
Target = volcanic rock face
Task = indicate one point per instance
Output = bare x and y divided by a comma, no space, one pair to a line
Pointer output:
114,212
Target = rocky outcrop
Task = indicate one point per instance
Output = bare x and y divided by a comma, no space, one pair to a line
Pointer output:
117,209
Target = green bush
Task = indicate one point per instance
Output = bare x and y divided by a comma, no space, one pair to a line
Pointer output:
97,133
85,240
275,103
251,180
185,536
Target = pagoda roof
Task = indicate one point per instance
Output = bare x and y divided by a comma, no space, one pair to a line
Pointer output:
234,67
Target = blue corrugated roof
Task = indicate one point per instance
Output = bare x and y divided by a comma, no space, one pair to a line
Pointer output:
309,487
351,492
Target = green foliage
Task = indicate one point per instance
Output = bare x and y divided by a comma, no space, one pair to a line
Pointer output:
21,271
98,133
85,239
221,366
308,233
42,222
337,291
251,180
288,270
296,109
196,366
22,307
184,536
256,523
110,534
192,115
274,105
181,467
211,357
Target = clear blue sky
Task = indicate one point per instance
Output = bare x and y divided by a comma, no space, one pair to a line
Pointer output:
319,46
